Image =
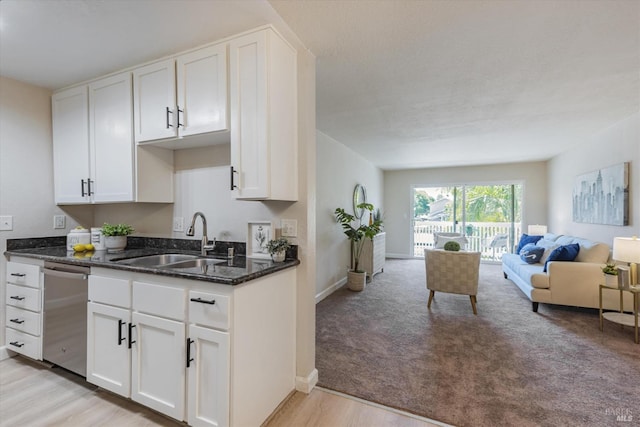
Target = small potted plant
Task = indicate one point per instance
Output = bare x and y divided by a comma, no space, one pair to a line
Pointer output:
278,248
115,236
610,274
356,278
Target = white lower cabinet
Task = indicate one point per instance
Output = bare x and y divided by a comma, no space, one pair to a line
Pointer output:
204,353
108,353
208,377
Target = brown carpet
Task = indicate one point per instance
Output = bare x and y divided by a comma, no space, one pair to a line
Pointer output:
507,366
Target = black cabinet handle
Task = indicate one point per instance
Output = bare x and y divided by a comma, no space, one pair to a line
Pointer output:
18,274
17,344
233,186
17,320
204,301
179,111
82,192
131,326
120,325
89,192
169,124
189,358
19,298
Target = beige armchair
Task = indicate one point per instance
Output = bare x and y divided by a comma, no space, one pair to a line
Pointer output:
452,272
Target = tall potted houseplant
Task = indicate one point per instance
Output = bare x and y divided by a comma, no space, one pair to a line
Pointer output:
356,278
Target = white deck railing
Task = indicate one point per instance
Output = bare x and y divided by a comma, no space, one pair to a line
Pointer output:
492,239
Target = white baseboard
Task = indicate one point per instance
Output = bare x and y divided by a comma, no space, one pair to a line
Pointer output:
401,256
306,384
331,289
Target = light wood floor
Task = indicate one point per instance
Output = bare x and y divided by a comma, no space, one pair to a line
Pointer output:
33,395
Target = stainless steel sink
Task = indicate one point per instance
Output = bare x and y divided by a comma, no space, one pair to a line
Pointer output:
194,263
157,260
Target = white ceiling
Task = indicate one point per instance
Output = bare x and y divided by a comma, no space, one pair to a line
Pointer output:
405,83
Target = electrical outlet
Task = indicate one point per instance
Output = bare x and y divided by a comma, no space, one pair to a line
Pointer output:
6,223
59,221
289,227
178,223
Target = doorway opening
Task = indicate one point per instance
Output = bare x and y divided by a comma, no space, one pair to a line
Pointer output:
488,215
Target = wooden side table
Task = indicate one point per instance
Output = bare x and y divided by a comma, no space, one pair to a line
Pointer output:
621,317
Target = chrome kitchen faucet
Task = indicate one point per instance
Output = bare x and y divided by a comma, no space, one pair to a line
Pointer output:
204,247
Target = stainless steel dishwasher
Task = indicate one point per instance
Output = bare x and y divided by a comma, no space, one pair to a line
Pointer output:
65,316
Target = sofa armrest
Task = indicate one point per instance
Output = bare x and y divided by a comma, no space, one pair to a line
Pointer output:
567,280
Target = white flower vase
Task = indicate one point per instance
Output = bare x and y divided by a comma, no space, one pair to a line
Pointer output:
278,256
115,244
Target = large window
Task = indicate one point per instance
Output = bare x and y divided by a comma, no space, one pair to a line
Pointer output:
489,215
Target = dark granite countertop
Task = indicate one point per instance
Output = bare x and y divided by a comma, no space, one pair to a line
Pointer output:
233,271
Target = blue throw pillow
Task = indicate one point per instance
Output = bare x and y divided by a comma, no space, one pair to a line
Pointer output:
526,239
563,253
531,254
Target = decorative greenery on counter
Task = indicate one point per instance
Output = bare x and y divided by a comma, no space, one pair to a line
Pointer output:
278,245
116,229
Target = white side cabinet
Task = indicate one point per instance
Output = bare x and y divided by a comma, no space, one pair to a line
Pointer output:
373,254
95,160
181,97
23,309
264,130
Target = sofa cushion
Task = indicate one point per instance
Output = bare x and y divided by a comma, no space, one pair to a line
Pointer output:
531,254
441,239
548,245
563,253
525,239
522,269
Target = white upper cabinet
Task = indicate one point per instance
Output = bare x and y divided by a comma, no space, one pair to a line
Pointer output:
264,132
110,139
182,97
70,145
94,156
154,101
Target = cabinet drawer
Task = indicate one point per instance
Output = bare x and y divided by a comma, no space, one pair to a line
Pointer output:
23,274
24,343
107,290
23,297
208,309
23,320
163,301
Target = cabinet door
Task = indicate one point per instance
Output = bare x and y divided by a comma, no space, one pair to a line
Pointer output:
108,355
158,364
70,145
202,91
154,101
248,93
111,139
208,377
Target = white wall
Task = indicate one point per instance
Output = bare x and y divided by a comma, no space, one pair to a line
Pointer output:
617,144
398,193
339,169
26,168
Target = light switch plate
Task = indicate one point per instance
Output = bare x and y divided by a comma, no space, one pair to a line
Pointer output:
178,224
6,223
59,221
289,227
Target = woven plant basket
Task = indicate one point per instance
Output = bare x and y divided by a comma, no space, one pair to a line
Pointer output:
356,281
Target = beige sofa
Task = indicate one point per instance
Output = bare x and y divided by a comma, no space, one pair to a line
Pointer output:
574,283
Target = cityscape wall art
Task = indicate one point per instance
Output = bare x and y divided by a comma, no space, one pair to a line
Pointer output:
602,196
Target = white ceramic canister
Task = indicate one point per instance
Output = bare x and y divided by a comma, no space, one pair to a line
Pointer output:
97,239
78,235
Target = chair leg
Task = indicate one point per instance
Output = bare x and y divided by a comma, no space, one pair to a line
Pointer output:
473,304
431,295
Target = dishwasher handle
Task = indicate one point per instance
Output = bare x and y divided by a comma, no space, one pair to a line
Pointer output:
65,274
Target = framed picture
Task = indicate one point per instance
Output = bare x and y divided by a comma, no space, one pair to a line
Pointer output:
258,234
602,196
